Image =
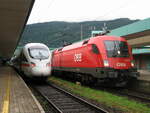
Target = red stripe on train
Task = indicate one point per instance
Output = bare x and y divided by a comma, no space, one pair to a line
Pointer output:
25,65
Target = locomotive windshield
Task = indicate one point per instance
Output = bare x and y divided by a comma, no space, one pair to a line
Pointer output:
116,48
38,53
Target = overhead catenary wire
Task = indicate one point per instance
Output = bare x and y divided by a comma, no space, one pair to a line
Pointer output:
107,13
125,4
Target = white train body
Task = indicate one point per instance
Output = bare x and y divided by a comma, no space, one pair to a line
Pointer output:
34,60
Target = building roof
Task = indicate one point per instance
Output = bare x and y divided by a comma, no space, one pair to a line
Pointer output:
13,18
135,27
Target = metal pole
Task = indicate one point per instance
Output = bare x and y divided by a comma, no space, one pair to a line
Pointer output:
81,32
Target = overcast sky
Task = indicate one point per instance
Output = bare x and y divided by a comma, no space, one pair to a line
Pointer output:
87,10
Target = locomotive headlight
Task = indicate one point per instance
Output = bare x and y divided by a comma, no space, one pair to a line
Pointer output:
132,63
106,63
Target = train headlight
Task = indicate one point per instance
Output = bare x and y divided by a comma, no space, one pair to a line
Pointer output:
32,64
132,63
106,63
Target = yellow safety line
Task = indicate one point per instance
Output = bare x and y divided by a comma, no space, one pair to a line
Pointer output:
6,98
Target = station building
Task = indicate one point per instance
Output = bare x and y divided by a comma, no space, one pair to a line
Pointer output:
142,58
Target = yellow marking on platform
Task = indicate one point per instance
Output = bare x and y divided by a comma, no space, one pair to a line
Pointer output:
5,107
6,97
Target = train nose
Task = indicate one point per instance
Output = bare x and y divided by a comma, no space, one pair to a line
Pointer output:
41,70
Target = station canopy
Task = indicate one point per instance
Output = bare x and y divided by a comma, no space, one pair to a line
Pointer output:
13,18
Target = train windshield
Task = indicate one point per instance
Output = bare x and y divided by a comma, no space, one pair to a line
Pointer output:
116,48
38,53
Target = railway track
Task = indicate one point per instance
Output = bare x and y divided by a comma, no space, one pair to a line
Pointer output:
135,95
64,102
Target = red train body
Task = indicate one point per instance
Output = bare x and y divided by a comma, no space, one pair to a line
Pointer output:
101,58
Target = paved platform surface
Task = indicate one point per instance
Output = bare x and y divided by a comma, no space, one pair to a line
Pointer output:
144,75
15,96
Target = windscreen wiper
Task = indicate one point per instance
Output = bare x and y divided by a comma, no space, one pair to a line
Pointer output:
115,50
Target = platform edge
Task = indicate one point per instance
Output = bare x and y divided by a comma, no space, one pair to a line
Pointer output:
36,101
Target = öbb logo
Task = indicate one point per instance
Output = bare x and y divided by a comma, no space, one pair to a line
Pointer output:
78,57
121,64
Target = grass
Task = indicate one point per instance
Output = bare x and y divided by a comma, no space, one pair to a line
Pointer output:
108,99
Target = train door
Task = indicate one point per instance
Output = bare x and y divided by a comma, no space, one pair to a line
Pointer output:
24,63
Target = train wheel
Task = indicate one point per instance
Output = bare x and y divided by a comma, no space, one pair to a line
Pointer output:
44,78
86,79
83,79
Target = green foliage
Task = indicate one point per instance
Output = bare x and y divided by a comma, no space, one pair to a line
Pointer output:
108,99
54,33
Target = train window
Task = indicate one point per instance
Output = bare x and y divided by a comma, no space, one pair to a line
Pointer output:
38,53
95,49
116,48
85,42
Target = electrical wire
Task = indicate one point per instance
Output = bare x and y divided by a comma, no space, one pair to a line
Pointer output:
125,4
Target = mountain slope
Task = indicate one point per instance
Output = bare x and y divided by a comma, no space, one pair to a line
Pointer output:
53,34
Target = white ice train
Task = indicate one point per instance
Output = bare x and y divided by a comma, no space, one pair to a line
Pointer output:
34,60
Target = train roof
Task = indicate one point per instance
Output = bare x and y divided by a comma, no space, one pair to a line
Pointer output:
35,45
90,41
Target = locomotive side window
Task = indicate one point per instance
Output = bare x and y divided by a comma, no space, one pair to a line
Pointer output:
95,49
85,42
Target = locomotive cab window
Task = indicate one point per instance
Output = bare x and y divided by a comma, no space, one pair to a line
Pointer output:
95,49
116,48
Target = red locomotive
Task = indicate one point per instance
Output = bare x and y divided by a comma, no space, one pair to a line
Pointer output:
106,59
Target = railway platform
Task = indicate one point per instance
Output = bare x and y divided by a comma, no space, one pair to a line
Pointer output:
142,84
15,96
144,75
